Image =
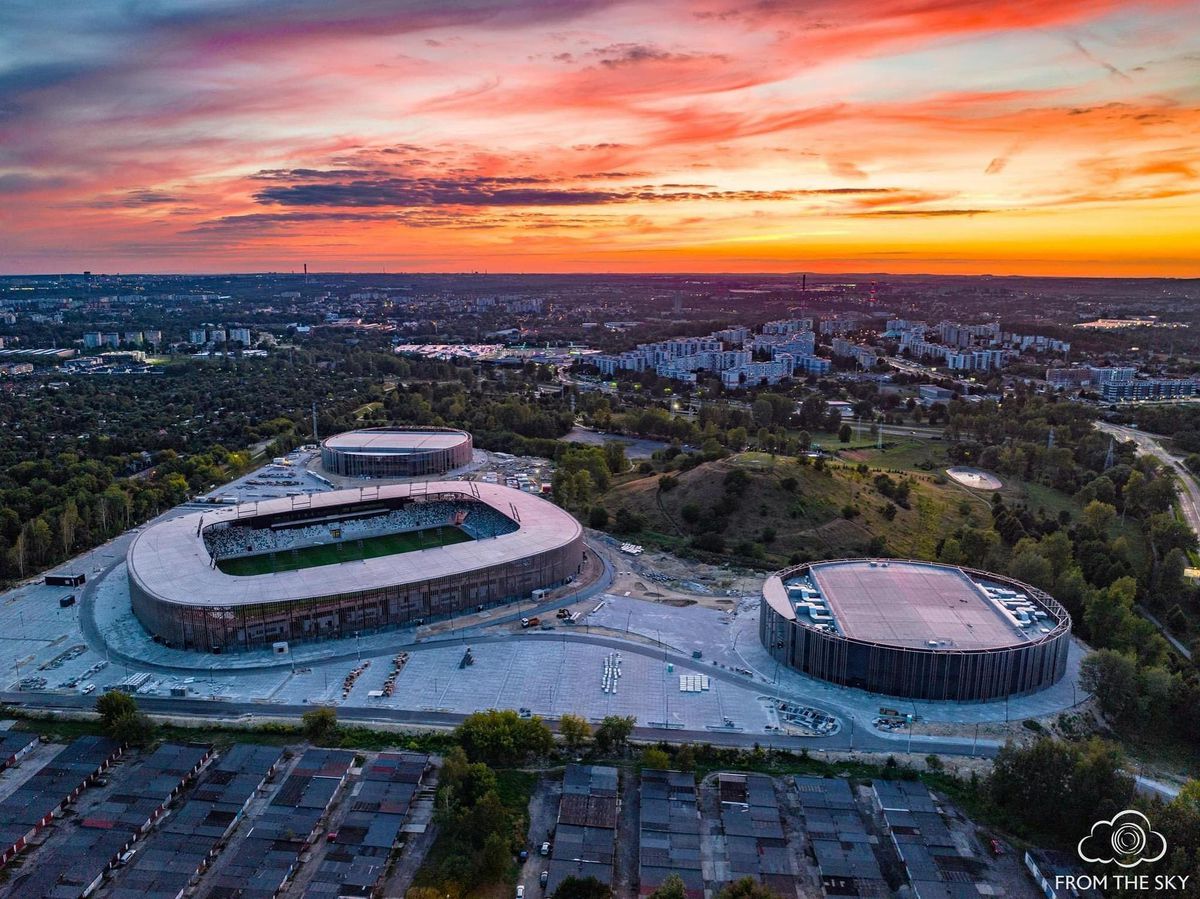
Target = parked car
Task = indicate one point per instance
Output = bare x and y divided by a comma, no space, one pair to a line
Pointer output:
521,891
544,879
545,850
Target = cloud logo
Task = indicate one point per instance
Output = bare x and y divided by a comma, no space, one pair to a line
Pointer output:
1126,840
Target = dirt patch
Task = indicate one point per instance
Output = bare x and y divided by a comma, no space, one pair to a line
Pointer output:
675,603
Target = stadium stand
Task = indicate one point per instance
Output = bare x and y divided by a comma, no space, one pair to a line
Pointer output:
228,540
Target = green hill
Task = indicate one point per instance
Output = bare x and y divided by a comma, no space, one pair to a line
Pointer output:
779,508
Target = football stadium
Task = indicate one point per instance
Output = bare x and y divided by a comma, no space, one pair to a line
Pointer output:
395,452
329,565
915,629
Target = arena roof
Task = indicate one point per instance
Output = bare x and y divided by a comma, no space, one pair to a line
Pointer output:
910,603
170,560
379,441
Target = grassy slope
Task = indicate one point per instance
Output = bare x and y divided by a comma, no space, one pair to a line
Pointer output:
807,521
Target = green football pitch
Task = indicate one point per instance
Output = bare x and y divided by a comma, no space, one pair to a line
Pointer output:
348,551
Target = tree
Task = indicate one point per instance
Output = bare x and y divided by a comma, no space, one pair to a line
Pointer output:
747,888
575,730
598,518
1099,517
503,738
845,433
614,456
1088,781
121,720
613,733
319,723
1112,678
1032,567
131,729
113,704
762,412
574,887
671,888
495,859
685,758
68,524
655,759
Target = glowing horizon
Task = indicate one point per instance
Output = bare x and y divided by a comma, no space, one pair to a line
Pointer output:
900,136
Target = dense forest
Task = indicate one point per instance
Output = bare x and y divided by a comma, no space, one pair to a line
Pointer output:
84,459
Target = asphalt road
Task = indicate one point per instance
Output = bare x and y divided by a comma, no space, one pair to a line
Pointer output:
244,713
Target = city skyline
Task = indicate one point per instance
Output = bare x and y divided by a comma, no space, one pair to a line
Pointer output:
953,137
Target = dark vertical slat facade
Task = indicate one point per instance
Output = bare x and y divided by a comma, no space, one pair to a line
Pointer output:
420,463
914,673
305,619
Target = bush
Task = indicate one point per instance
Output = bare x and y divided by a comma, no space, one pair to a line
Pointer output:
628,522
655,758
132,729
710,542
319,723
598,518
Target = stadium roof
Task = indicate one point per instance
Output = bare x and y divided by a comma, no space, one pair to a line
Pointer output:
910,604
397,441
170,560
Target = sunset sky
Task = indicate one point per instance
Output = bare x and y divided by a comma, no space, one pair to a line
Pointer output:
1046,137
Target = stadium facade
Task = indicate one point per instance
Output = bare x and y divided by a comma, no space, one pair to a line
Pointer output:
395,452
915,629
512,544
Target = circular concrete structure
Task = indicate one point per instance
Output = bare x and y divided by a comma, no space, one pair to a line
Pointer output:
975,477
346,562
395,452
915,629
